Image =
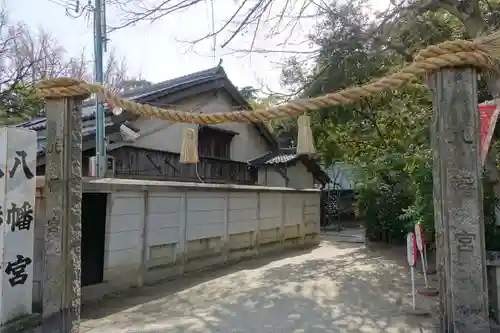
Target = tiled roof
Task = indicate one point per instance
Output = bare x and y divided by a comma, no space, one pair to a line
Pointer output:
197,77
281,159
86,132
40,123
288,156
282,156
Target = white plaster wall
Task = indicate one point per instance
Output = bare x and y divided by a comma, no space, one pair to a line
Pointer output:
163,135
299,177
268,176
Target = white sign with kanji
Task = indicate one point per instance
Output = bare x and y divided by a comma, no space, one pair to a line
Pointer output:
18,150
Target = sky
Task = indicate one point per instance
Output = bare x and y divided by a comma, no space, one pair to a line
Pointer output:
158,51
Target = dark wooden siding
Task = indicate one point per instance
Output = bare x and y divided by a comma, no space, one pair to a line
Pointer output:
141,163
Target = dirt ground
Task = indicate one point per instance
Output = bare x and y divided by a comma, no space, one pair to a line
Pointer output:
336,287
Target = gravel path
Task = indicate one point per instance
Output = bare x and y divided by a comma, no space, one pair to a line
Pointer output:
334,288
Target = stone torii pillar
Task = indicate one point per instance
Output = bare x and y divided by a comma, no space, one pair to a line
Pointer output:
458,202
63,188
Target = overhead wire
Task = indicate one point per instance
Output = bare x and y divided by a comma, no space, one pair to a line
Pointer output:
73,8
64,3
214,35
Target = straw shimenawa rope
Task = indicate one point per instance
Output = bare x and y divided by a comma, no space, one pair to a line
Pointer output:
480,53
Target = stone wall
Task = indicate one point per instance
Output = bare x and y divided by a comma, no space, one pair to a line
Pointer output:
160,230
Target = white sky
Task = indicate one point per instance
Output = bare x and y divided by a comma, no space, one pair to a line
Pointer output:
155,50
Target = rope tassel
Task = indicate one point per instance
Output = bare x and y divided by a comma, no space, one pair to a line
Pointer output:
305,140
189,148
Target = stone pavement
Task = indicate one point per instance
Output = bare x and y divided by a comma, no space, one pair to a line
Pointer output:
335,288
348,235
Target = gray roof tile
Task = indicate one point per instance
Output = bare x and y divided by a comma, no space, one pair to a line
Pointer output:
280,159
289,155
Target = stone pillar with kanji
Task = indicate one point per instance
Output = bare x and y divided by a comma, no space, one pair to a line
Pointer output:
18,150
458,202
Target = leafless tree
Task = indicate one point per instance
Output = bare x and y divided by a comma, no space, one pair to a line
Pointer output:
28,56
15,66
39,56
274,17
249,17
117,75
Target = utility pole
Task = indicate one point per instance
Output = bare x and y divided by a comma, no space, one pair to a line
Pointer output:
99,42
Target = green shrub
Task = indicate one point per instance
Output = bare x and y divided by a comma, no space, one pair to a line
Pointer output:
391,202
421,209
381,197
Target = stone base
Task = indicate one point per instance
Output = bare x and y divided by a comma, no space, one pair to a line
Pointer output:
417,312
495,328
22,324
428,291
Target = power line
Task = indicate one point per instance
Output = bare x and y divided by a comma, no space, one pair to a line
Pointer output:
214,35
64,3
211,17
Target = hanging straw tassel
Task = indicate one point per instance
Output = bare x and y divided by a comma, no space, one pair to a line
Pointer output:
305,140
189,148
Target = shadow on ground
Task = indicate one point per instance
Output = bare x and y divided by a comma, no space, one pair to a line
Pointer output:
337,287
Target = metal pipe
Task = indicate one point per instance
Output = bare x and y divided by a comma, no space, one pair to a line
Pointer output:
100,147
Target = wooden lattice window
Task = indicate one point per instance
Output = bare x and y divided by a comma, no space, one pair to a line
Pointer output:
214,143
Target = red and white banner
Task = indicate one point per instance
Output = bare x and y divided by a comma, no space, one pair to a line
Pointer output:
411,249
488,114
419,236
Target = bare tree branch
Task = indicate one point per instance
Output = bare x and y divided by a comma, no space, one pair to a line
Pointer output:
27,57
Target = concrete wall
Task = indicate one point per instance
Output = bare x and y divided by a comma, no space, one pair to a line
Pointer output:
160,230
